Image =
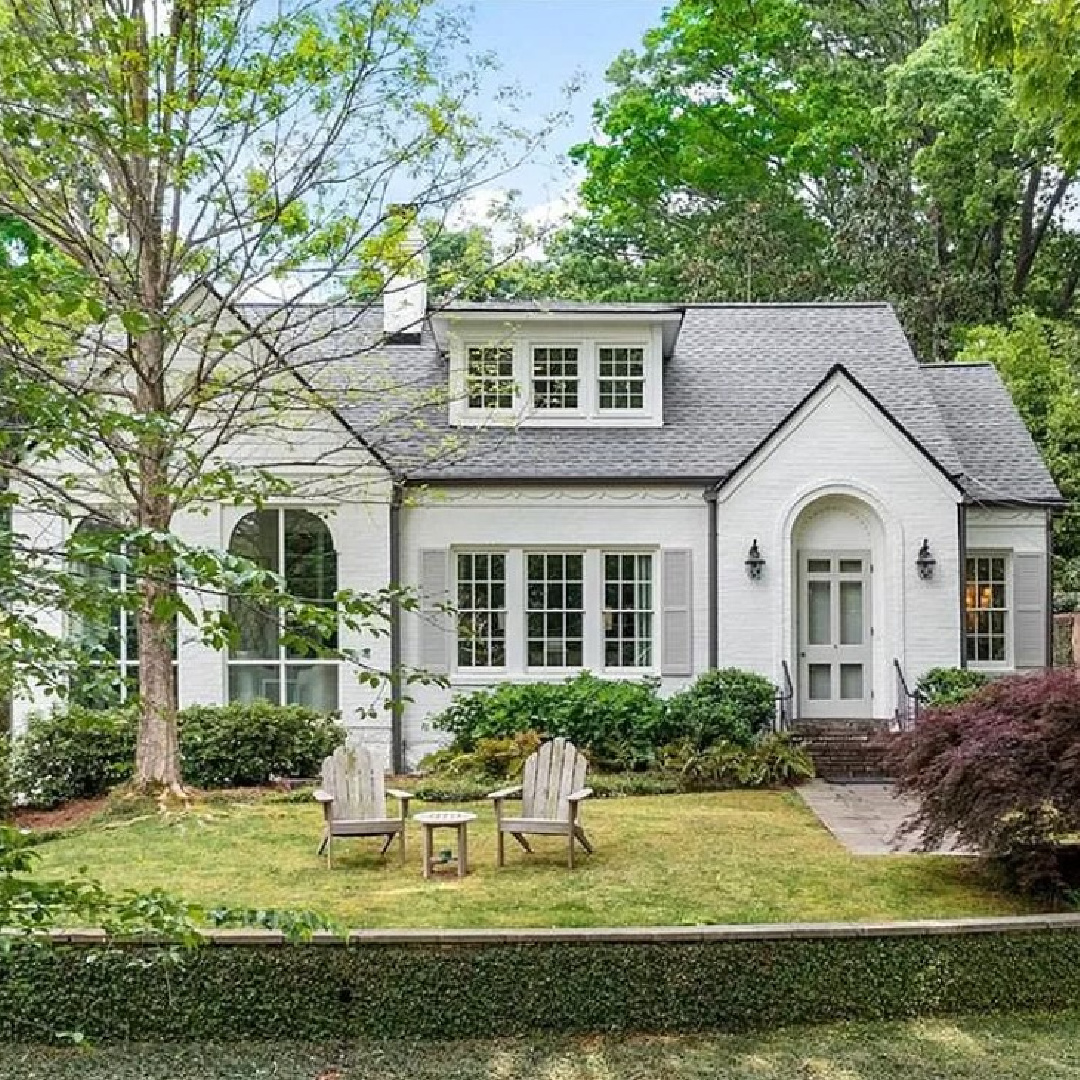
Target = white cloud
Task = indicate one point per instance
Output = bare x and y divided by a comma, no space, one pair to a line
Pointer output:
513,227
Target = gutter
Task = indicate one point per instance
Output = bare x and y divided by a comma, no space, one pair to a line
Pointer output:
961,549
397,741
1049,657
711,495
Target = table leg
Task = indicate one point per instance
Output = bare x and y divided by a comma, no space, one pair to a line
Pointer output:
428,831
462,849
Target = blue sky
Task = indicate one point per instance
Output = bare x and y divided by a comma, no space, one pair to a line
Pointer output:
543,45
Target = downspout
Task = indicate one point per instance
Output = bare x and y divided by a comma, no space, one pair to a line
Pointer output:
397,741
710,495
1049,588
961,547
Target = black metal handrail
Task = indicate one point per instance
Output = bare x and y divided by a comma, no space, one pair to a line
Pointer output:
908,701
785,701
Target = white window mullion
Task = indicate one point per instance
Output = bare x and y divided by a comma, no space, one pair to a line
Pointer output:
594,610
515,610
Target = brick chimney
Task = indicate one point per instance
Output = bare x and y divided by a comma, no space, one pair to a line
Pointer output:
405,291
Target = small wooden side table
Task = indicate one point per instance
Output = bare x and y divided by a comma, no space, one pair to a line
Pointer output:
429,821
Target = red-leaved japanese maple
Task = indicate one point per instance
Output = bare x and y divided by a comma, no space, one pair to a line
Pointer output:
1001,772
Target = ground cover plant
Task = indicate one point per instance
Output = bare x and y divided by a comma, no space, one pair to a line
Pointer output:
1042,1046
1001,771
735,856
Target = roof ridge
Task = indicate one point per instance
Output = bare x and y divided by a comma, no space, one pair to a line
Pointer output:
953,364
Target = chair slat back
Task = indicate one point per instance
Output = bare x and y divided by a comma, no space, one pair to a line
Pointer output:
356,783
551,774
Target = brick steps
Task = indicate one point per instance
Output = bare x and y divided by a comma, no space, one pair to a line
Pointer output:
846,749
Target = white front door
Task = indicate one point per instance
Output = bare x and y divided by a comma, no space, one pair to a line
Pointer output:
835,635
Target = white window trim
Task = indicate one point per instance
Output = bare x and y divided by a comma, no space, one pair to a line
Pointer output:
474,549
282,661
517,668
1008,664
583,408
588,413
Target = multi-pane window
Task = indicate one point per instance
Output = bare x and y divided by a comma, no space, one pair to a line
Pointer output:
481,605
987,614
621,377
628,610
555,377
112,641
270,660
555,609
490,377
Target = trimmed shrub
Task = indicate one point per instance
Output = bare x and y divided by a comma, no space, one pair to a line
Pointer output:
74,754
950,686
456,990
618,724
1001,771
81,753
241,745
728,705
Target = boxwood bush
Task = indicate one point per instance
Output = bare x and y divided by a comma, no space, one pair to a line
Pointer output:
79,753
950,686
727,705
240,745
74,753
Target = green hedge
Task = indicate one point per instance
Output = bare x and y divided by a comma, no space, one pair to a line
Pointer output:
80,753
455,990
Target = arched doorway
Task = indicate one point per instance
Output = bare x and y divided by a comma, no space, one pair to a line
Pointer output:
834,544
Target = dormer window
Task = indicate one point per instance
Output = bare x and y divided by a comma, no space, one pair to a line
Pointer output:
621,377
555,376
490,377
554,371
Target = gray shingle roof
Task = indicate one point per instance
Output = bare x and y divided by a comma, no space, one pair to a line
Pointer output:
999,458
736,372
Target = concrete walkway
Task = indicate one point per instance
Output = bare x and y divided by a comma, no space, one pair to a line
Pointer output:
865,818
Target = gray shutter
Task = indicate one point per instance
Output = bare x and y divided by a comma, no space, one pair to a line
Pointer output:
676,635
1029,610
435,624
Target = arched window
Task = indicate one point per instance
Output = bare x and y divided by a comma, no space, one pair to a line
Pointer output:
297,545
113,639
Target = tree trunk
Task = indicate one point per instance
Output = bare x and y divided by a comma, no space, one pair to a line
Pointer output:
157,754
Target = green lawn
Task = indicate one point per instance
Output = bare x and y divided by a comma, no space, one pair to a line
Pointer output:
1038,1047
726,857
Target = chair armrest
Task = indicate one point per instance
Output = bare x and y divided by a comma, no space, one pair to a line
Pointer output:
577,796
506,793
397,793
323,796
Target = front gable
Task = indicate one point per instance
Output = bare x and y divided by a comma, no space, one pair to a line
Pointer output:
839,430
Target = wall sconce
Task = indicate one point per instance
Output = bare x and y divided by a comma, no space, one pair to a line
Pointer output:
755,564
925,562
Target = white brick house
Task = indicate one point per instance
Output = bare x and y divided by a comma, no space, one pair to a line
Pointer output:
656,489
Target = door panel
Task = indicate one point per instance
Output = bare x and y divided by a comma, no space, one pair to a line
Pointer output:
834,634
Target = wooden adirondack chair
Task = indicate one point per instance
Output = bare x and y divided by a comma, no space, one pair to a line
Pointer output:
552,789
354,801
